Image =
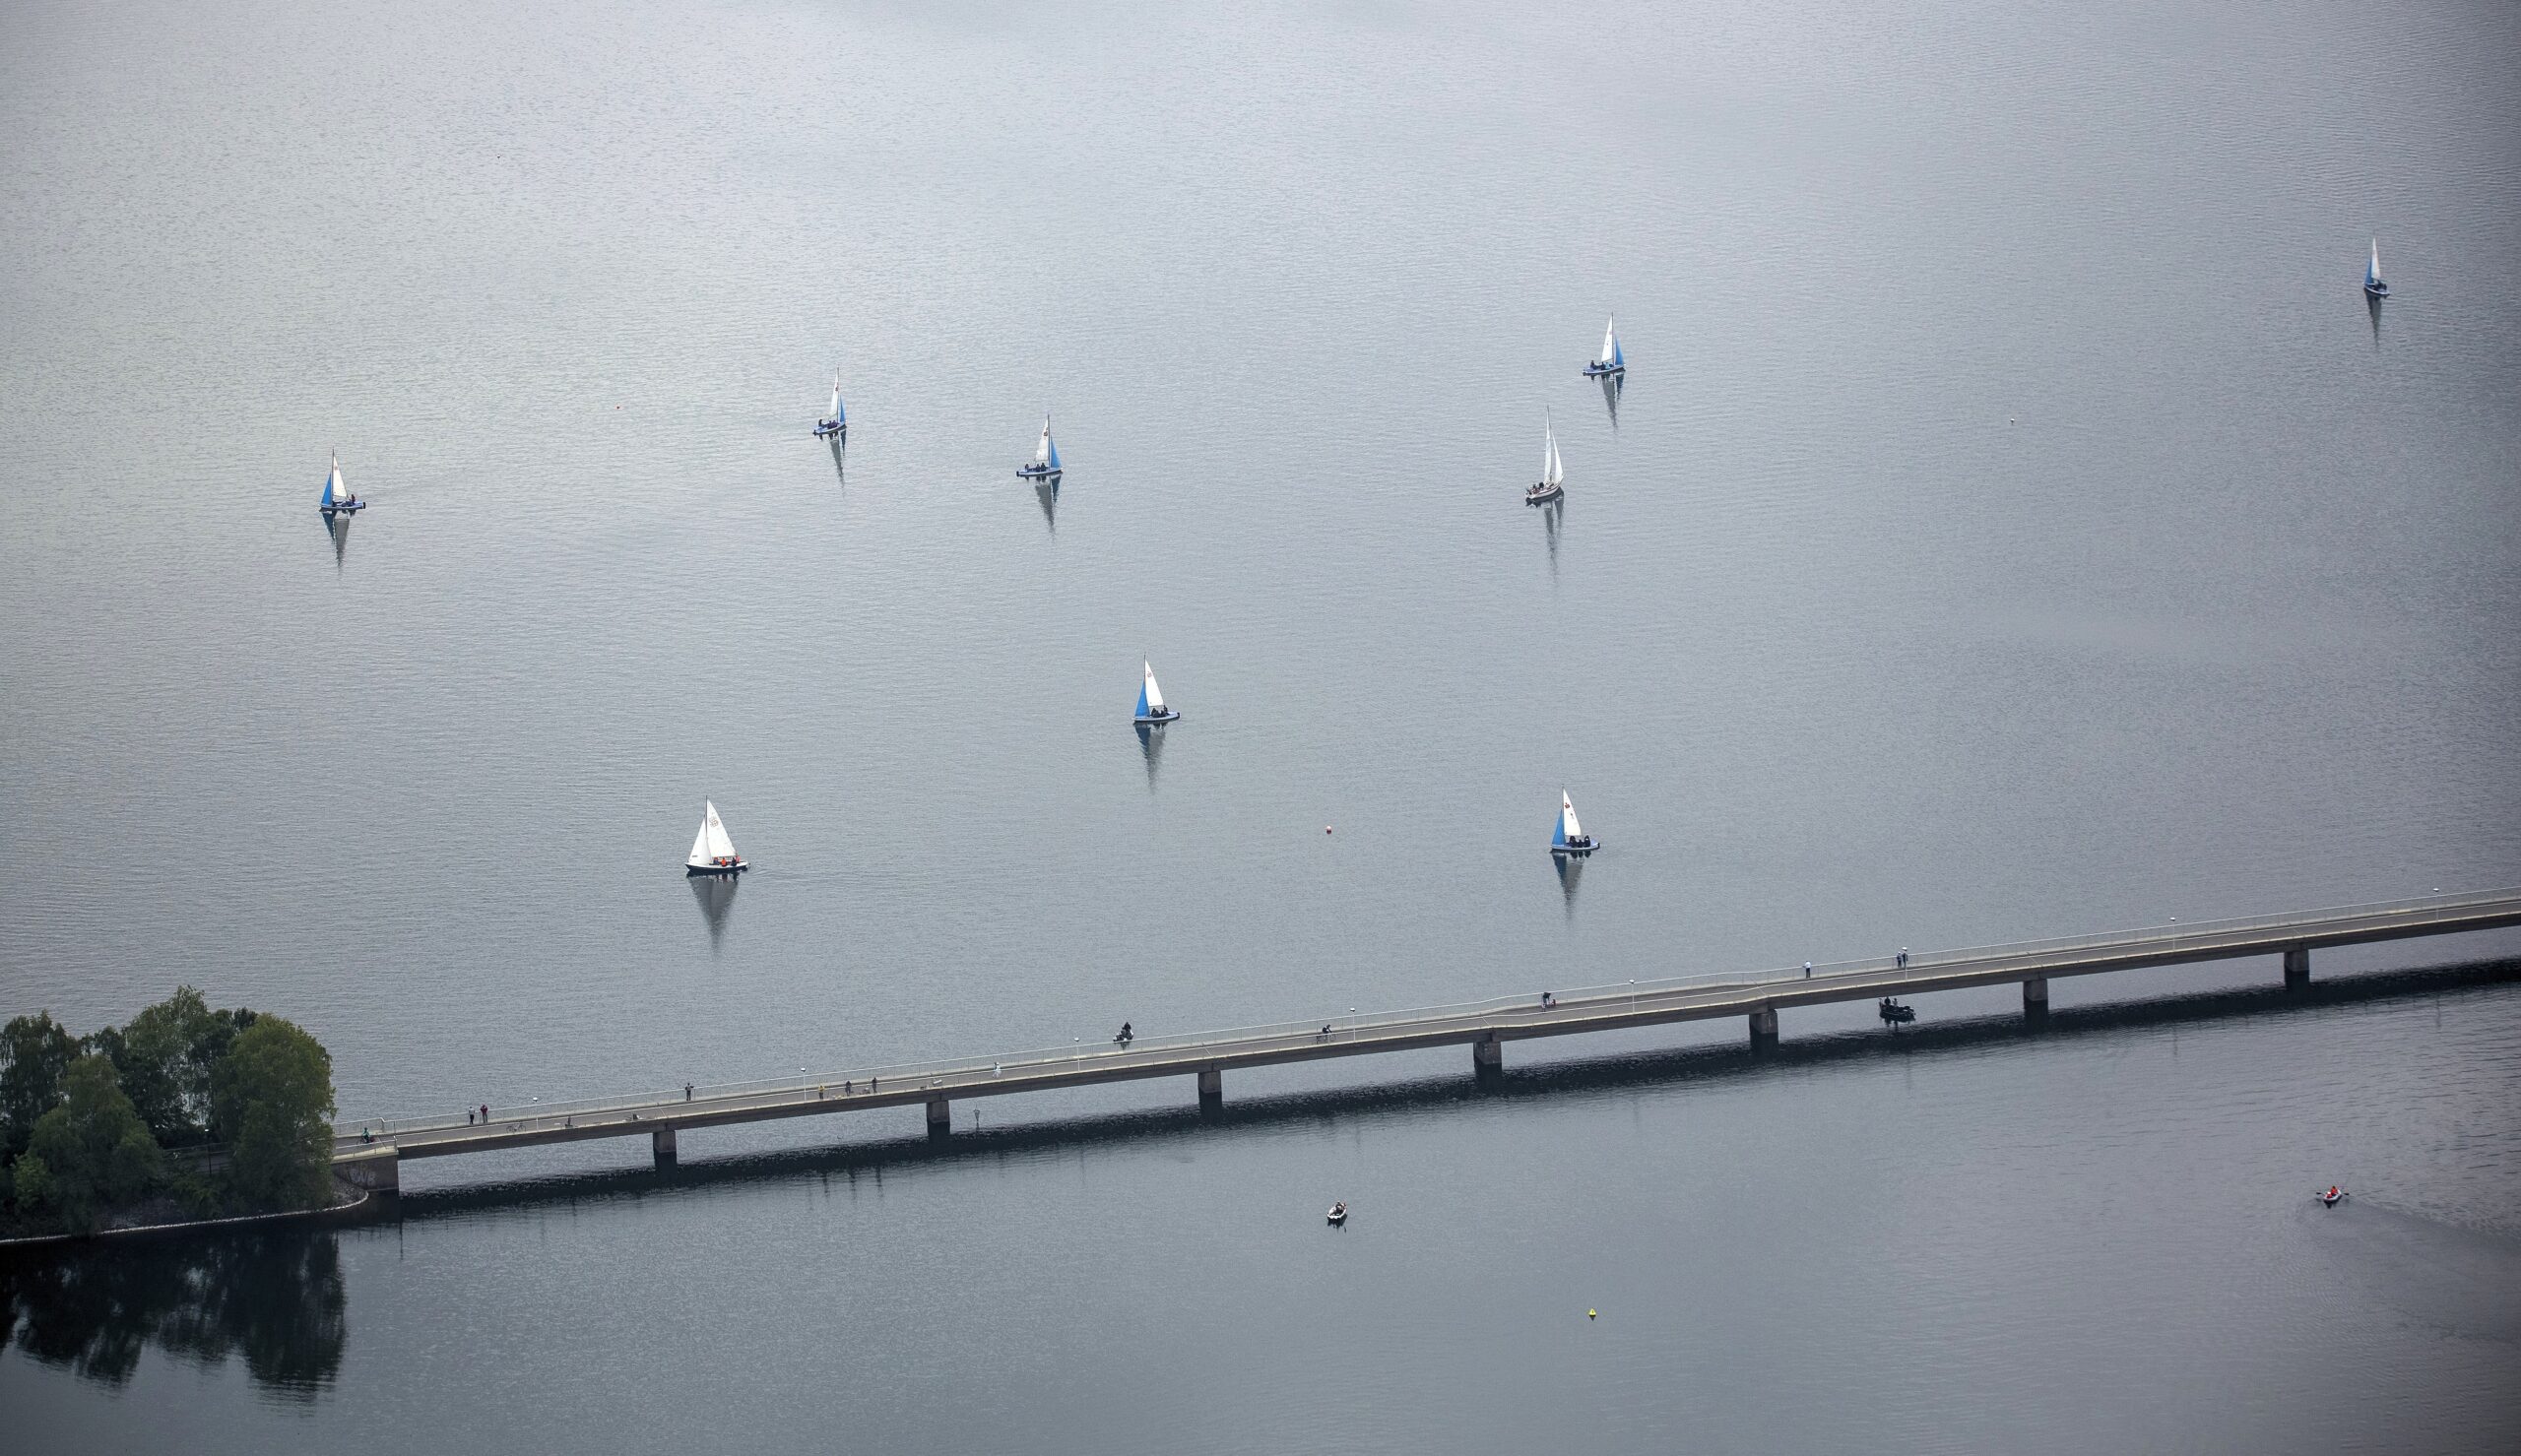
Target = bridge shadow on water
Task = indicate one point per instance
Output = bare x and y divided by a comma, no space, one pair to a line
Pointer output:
1433,1095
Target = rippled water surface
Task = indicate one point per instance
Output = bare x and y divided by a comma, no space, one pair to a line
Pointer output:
2014,524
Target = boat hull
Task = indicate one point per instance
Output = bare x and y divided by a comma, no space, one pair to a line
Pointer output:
1579,851
2377,291
1159,719
691,871
1595,371
1541,494
351,509
1036,473
827,428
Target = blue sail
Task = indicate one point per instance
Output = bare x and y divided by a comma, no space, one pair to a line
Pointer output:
1558,833
1142,699
1619,355
1054,463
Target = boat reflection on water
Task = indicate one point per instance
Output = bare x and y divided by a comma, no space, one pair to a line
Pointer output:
840,458
716,894
1552,516
2372,305
1612,385
1570,873
1151,743
1048,493
275,1300
337,527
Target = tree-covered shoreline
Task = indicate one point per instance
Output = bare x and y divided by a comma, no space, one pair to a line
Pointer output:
86,1123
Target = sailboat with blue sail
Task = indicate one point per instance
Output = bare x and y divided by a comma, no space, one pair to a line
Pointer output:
1612,361
338,499
1568,837
1045,465
837,421
1152,707
2372,285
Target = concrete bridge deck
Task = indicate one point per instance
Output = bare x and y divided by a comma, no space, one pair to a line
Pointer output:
370,1149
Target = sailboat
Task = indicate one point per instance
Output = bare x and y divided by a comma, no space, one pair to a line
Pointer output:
1553,475
1152,707
2372,285
1612,360
837,421
1045,465
1569,837
712,853
337,496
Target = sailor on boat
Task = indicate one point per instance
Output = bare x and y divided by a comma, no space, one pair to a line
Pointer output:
336,499
1895,1013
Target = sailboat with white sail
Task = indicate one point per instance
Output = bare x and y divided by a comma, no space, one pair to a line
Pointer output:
1568,837
1553,475
837,421
712,852
2372,285
338,499
1151,708
1612,361
1045,465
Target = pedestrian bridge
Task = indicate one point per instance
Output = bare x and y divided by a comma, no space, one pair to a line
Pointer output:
369,1151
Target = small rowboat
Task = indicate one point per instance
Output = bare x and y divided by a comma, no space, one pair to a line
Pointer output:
2331,1196
1338,1215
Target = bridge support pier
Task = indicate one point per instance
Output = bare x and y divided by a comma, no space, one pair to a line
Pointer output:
940,1117
1487,1057
1763,1029
377,1170
661,1147
2034,999
1212,1089
2298,967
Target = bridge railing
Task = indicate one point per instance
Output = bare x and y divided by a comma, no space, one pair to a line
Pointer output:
948,1074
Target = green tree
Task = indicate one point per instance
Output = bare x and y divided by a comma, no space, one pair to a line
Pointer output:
272,1105
35,1053
97,1150
165,1059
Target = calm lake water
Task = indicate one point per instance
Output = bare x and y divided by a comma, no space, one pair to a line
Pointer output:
2014,524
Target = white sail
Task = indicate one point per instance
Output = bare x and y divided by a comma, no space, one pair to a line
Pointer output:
1154,694
1566,824
2373,276
1610,343
1551,472
335,492
1042,451
835,399
711,844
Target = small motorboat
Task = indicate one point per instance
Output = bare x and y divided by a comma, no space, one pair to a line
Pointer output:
1151,708
2331,1198
1895,1014
1045,464
1338,1215
1553,475
836,423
